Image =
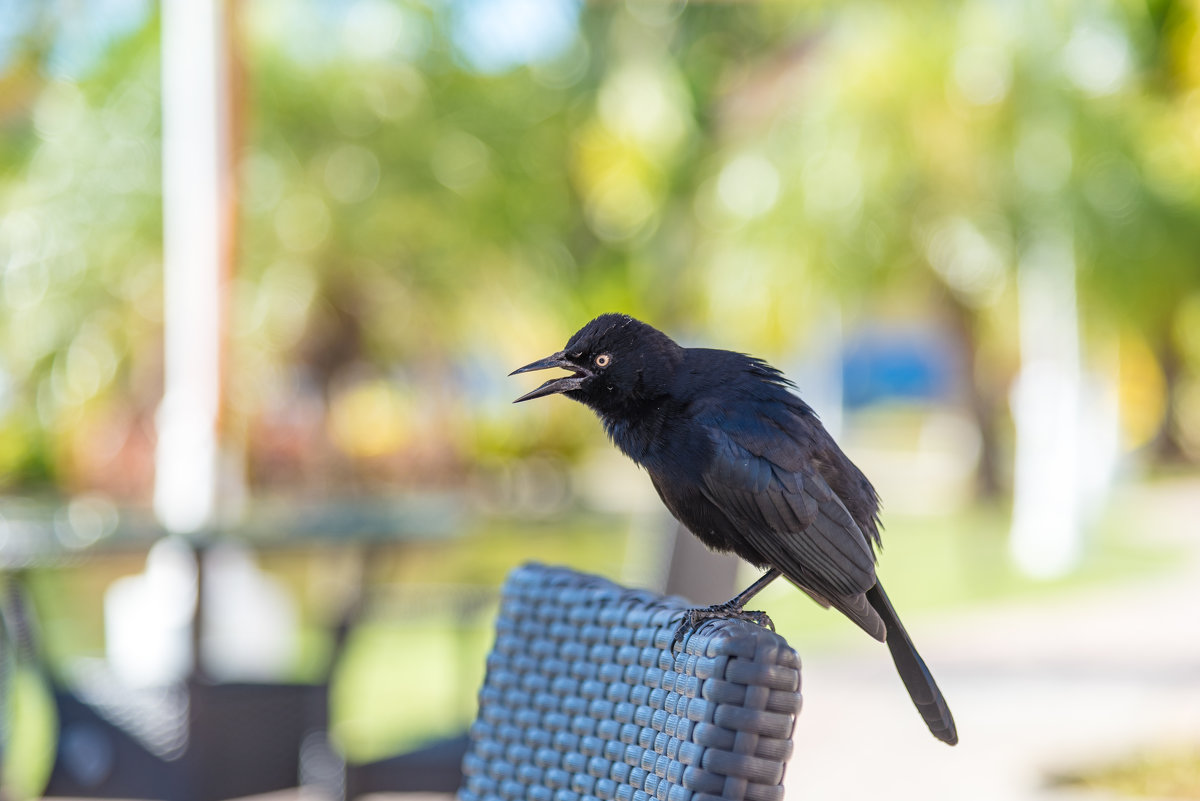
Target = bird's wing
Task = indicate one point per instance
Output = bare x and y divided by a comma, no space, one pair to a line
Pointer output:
761,477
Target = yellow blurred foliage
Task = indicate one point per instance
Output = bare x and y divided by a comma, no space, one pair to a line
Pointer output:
621,187
1185,42
369,419
1141,390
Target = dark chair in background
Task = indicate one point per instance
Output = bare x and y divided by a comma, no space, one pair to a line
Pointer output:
195,742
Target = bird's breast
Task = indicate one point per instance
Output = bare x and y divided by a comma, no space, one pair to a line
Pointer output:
688,504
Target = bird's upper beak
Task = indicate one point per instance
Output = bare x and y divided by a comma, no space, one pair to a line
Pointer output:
554,385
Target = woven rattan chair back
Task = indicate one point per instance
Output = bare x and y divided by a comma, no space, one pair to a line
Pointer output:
585,698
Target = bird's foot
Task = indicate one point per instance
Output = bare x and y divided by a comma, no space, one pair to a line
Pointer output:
693,618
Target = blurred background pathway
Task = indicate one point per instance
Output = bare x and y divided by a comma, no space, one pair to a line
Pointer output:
1039,689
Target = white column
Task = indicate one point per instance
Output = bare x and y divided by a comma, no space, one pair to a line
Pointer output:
197,236
1047,529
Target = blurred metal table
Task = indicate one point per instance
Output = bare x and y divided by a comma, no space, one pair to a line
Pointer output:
199,739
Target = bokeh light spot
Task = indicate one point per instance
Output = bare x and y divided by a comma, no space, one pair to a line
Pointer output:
967,261
459,161
59,110
497,35
302,222
982,74
645,103
566,69
1042,158
285,293
369,419
1097,58
619,206
91,363
397,94
833,184
25,283
1110,185
1141,390
749,185
262,182
376,30
351,173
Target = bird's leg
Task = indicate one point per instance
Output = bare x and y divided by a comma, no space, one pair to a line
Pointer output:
733,608
742,598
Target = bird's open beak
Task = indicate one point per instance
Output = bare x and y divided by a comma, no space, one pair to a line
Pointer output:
554,385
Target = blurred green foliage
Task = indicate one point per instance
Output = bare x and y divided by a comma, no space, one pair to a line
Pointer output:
411,227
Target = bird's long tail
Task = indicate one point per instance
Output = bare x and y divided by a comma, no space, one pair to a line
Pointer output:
913,672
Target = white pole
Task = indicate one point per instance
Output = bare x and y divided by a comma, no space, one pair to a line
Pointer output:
196,240
1047,529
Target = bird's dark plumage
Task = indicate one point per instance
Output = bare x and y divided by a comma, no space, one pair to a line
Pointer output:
747,467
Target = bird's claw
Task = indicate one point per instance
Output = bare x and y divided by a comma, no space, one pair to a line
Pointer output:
693,618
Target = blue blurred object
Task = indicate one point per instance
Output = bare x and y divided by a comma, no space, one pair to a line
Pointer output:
497,35
880,364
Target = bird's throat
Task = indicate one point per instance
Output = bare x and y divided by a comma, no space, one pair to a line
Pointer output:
634,430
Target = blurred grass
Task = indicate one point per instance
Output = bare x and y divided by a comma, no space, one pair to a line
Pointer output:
930,565
485,554
411,669
1171,772
400,685
25,763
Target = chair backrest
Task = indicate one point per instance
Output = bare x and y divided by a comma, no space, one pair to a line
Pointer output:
585,698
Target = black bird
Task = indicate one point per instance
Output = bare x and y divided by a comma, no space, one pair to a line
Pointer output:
747,467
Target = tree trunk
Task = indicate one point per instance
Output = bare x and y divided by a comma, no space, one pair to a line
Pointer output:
983,399
1166,448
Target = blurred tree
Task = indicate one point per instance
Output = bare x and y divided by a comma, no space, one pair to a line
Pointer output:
917,152
418,214
1140,200
79,247
413,208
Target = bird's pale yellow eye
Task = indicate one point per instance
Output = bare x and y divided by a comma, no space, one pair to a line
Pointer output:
603,360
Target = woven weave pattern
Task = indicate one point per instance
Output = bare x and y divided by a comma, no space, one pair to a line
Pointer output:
585,699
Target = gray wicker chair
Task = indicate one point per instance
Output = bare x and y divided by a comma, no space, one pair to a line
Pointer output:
586,699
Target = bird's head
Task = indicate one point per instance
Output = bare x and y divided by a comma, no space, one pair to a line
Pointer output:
616,363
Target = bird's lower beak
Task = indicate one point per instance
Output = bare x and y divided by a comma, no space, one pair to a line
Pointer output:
554,385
